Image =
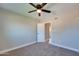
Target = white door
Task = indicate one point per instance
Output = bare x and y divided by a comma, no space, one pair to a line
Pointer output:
40,32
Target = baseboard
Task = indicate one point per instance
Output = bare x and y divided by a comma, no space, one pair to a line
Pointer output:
7,50
69,48
50,40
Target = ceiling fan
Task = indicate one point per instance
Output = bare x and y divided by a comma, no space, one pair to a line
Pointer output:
39,8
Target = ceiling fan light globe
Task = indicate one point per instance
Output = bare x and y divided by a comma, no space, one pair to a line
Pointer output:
38,11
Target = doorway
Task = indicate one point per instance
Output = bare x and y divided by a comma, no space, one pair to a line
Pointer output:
47,32
44,32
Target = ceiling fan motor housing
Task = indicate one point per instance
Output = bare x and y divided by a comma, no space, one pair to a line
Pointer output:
38,6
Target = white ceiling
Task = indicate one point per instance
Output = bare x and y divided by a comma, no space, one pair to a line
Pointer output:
57,9
23,9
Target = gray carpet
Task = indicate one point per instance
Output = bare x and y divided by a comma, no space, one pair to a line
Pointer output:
41,49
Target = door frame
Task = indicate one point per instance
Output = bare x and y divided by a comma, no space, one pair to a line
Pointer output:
50,29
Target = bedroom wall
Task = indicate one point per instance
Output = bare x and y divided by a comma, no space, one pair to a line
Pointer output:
65,30
16,30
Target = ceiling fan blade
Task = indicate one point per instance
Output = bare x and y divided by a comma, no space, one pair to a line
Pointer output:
48,11
32,11
32,5
39,14
43,4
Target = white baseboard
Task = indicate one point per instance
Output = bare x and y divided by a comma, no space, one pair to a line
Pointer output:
50,40
7,50
69,48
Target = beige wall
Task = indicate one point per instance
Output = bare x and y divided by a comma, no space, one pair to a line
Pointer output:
66,27
16,30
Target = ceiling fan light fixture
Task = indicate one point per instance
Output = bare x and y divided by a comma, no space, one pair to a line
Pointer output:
39,11
39,8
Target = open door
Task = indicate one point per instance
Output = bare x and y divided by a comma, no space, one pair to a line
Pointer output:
40,32
44,32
